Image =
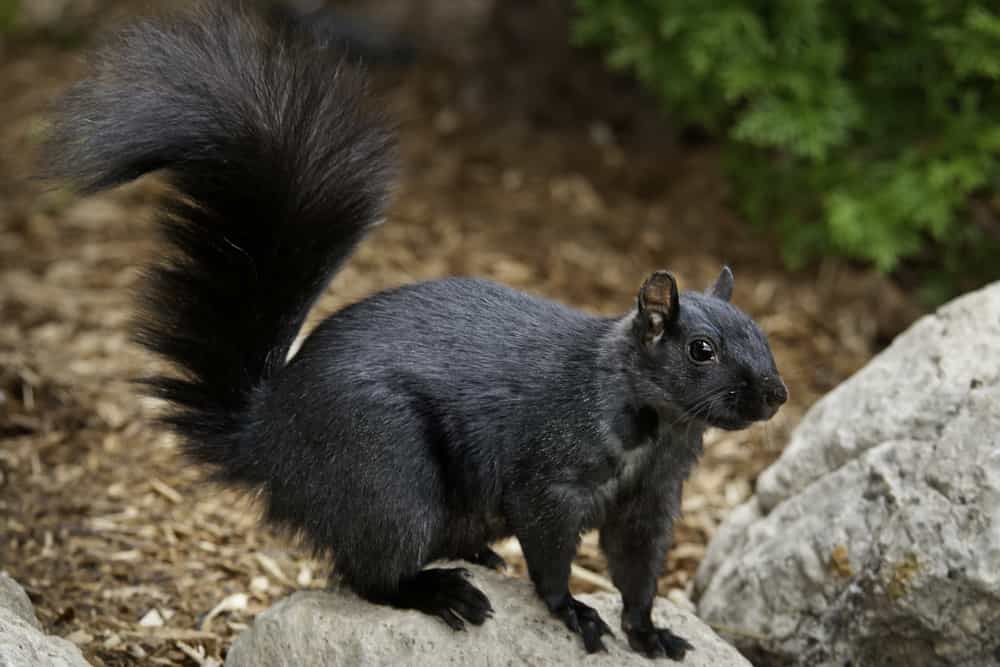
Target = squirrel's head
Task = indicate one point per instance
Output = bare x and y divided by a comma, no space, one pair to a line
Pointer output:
708,361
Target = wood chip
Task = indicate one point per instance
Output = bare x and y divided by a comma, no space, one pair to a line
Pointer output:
591,578
235,602
271,567
165,490
151,619
169,634
198,654
80,637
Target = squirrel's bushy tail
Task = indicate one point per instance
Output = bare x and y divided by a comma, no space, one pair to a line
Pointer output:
279,170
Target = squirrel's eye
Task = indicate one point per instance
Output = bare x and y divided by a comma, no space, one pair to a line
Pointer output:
701,351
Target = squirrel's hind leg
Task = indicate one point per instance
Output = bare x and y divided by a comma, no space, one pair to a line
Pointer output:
442,592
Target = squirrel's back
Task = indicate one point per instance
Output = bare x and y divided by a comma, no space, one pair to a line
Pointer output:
471,344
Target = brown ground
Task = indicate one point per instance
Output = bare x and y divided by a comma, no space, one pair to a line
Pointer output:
527,164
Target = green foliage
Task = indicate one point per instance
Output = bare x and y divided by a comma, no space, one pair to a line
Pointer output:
865,128
8,12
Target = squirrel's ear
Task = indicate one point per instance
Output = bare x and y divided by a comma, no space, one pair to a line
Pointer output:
658,305
723,287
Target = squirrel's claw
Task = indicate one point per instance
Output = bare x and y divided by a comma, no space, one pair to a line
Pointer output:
659,643
586,622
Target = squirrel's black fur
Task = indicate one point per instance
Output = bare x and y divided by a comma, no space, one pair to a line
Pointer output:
424,422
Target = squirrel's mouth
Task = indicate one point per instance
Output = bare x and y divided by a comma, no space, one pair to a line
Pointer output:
736,407
741,413
730,423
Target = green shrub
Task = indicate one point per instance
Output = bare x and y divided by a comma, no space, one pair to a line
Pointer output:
8,12
867,128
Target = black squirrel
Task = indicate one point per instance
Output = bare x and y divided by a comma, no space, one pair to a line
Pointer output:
423,422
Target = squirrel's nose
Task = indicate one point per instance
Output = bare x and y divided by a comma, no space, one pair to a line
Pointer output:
775,391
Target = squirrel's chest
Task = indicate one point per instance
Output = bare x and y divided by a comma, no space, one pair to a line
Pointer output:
629,469
633,439
631,466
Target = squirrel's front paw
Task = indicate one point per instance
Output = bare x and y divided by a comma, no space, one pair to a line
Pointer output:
659,643
584,621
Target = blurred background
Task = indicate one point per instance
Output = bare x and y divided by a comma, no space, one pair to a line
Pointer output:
843,158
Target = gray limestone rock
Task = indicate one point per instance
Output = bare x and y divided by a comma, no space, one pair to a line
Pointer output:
22,642
875,538
338,628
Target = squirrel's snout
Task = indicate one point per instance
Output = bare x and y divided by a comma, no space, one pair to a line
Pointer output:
775,392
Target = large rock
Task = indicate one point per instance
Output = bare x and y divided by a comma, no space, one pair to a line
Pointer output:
875,538
22,642
337,628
